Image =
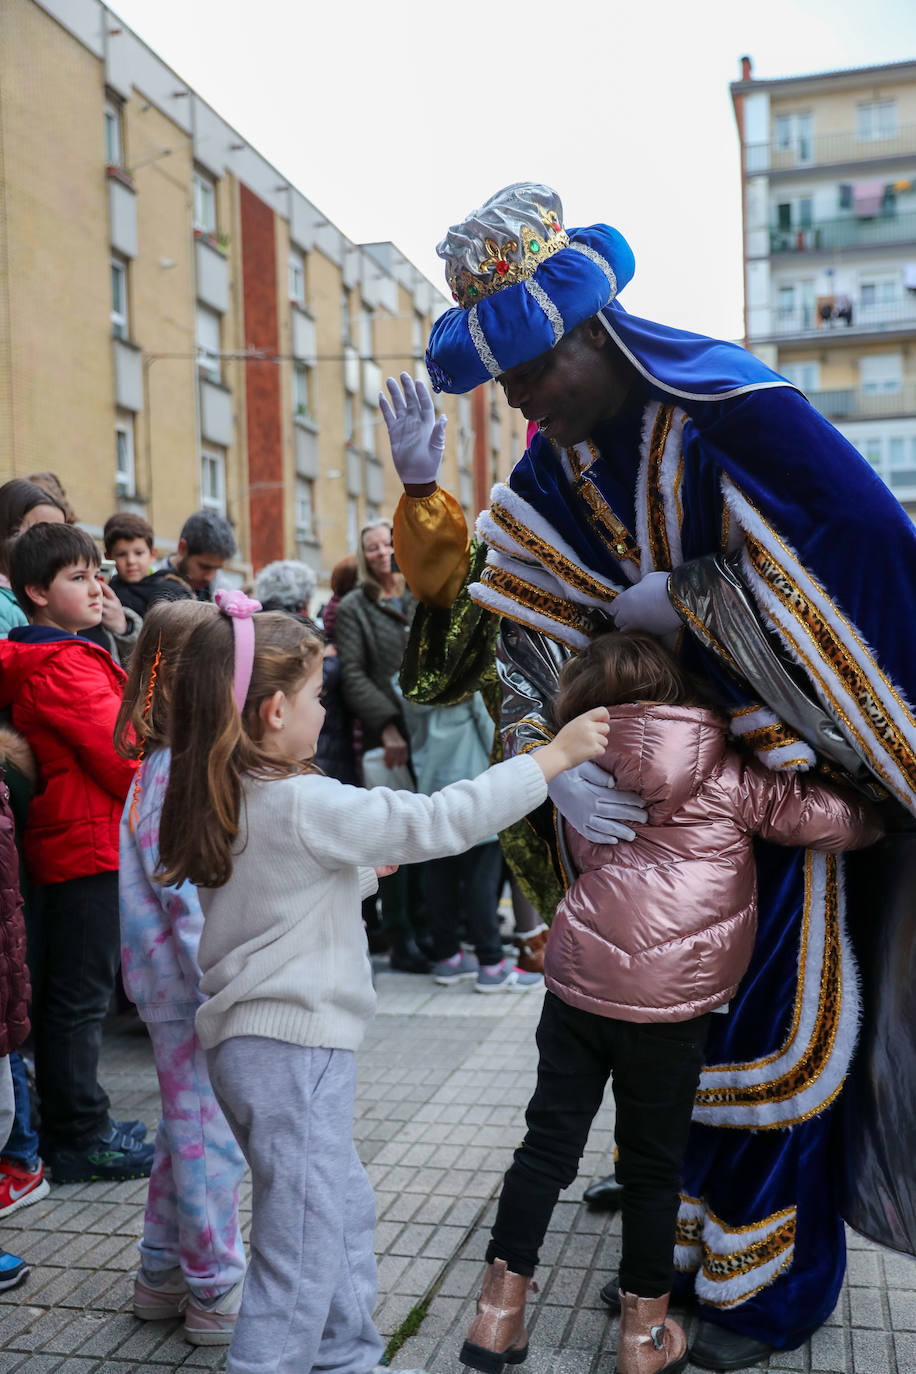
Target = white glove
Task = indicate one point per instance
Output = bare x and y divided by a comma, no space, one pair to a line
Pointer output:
587,797
417,438
646,606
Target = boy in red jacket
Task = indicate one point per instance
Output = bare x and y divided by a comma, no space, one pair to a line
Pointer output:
64,693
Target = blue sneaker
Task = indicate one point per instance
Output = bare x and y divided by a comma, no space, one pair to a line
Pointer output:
503,977
13,1270
455,970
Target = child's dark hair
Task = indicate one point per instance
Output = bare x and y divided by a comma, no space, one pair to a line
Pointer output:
621,667
41,552
18,496
125,525
214,745
143,719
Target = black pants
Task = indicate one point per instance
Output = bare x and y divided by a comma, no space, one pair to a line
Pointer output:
655,1068
464,889
74,948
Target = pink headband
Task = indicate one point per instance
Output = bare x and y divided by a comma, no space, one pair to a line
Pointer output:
240,608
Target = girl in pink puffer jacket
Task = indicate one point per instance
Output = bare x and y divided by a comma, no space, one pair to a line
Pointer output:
652,936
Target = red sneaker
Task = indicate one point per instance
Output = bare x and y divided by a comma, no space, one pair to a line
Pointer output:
19,1187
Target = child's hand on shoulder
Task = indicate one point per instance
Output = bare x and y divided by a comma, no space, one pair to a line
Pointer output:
581,739
385,870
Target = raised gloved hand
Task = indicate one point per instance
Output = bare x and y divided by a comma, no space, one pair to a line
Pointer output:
417,438
588,798
646,606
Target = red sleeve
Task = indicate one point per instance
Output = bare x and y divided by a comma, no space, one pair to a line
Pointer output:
78,697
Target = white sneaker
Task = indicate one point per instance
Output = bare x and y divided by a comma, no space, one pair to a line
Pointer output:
215,1323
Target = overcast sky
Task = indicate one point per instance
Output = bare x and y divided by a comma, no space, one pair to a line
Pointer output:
397,120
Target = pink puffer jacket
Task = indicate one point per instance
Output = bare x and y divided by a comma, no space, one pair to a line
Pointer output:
662,928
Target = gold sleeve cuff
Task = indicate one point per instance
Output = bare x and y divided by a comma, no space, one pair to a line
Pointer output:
431,546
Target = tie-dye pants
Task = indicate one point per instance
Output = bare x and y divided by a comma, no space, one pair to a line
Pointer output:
192,1208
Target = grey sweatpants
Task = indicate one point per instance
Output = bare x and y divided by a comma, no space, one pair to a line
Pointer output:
311,1281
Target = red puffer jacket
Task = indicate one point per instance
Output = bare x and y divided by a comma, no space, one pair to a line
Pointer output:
64,693
661,928
15,992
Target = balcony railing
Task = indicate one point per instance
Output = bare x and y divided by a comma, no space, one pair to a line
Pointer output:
828,235
851,403
819,150
866,319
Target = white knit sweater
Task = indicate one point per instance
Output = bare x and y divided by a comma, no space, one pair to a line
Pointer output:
283,951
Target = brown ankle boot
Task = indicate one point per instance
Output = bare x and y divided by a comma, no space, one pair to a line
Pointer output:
648,1343
531,946
497,1336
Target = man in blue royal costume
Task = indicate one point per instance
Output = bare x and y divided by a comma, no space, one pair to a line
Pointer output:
677,485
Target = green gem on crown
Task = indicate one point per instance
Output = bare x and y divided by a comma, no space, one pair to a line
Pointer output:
535,246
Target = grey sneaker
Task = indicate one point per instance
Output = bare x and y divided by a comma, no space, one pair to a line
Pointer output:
213,1323
503,977
456,970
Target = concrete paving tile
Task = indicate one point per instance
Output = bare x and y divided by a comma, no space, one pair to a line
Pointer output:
862,1269
899,1270
873,1353
831,1350
903,1310
41,1364
867,1307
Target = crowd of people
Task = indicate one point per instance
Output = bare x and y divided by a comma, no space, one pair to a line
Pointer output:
704,757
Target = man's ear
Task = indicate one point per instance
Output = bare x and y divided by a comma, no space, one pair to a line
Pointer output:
595,332
37,595
182,548
272,711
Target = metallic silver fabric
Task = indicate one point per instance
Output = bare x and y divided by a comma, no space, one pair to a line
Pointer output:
712,590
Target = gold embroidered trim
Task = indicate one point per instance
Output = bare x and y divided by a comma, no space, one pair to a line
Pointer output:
610,529
549,557
587,622
721,1268
809,1067
506,264
659,547
774,736
835,654
703,634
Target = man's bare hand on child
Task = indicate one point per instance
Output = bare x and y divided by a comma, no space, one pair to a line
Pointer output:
583,738
113,617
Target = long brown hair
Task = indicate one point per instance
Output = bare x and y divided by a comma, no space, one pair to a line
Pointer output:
621,667
143,719
214,745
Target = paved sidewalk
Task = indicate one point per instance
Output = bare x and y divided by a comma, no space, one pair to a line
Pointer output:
444,1078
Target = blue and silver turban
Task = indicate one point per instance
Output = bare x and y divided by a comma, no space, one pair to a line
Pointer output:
521,281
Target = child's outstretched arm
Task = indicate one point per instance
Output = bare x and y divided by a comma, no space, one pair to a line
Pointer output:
797,809
582,738
344,825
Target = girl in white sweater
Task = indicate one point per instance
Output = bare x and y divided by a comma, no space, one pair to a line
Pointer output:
283,857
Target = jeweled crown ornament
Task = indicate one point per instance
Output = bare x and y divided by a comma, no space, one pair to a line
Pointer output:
503,242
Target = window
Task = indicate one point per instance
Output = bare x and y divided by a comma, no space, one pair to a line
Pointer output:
114,150
368,428
881,290
786,301
881,374
348,418
346,322
300,389
119,320
366,346
794,133
806,375
876,119
844,195
213,482
204,203
418,334
297,277
304,513
782,133
352,522
124,455
208,349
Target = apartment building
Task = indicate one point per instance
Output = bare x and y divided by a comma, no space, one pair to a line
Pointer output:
829,209
180,326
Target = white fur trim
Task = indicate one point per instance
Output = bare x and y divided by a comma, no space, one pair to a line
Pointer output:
670,478
501,605
720,1242
797,755
479,340
826,682
818,1093
688,1258
537,293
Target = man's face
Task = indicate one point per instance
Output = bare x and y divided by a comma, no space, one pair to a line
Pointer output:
571,389
133,558
73,601
199,568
